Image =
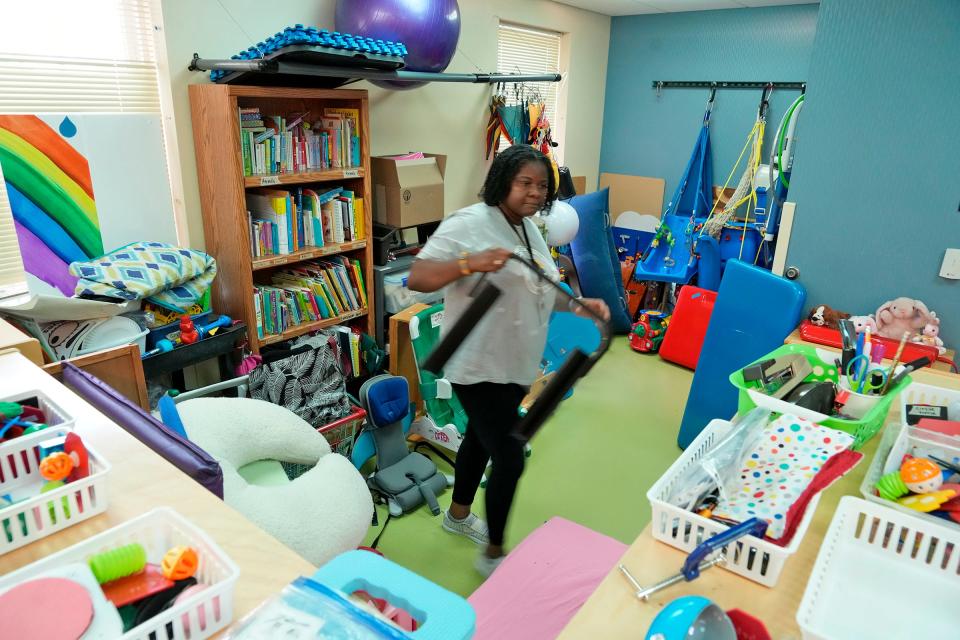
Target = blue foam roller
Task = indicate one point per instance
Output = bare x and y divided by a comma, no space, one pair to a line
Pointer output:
754,312
595,256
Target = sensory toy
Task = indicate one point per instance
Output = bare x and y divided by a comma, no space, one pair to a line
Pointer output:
179,563
118,563
56,466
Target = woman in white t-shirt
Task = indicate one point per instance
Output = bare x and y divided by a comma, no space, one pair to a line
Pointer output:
498,361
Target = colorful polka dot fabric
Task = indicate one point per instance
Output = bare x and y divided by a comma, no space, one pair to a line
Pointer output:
790,452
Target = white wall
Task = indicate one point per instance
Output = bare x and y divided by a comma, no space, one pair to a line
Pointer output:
440,117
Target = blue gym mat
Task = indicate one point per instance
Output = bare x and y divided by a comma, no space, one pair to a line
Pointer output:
755,311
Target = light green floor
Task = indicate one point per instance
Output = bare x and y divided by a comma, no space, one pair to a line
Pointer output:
592,463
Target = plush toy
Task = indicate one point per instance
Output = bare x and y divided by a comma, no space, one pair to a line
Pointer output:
824,316
861,323
931,335
902,315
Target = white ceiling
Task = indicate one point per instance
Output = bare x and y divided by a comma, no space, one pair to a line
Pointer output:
634,7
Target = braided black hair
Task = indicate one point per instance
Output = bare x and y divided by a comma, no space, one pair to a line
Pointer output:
505,167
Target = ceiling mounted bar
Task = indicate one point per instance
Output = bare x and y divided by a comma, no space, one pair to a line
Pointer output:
331,71
708,84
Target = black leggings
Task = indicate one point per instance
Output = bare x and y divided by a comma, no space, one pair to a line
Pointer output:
492,414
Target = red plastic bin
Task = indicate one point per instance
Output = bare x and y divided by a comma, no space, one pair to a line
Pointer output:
342,433
688,326
831,338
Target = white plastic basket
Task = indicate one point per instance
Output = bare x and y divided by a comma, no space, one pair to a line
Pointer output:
159,530
56,416
751,557
898,440
919,393
40,515
882,574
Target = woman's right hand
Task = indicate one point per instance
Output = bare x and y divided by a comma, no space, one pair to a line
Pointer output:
488,261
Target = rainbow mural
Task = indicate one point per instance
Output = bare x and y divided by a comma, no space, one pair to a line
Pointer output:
51,194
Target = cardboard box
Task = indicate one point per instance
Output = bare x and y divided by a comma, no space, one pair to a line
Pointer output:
408,192
633,193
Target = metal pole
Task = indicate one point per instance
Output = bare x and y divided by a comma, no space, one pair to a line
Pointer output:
330,71
730,84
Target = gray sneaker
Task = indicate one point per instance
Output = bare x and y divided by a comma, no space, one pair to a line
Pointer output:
471,527
485,566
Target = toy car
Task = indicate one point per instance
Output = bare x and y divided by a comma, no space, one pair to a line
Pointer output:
647,333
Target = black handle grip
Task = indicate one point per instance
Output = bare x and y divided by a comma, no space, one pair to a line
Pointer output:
482,301
573,368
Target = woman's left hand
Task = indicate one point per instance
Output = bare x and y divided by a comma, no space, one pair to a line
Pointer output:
596,305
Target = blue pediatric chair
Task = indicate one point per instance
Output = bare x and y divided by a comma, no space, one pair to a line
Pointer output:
405,478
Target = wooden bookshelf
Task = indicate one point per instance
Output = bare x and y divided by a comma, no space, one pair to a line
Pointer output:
307,327
309,253
214,109
336,175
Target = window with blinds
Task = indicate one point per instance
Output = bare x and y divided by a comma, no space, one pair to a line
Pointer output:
523,49
68,56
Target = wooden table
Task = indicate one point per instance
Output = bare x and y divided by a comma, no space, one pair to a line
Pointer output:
794,338
140,481
612,612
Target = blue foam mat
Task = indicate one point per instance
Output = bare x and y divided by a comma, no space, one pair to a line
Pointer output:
595,256
755,311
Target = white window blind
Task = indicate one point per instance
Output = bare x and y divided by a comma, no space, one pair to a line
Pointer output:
11,267
523,49
71,56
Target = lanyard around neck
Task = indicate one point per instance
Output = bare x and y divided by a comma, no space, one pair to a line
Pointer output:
525,237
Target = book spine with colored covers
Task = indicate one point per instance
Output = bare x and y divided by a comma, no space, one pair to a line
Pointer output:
259,312
358,215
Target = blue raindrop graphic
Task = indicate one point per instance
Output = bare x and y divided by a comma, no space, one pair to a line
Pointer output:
67,128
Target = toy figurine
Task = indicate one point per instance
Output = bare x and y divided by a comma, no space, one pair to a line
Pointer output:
921,475
188,333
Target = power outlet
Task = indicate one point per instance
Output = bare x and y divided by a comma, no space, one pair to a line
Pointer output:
951,265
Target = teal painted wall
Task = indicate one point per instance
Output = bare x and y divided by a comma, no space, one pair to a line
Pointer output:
653,136
877,170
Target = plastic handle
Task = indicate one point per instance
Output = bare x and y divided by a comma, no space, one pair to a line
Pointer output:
482,302
573,368
752,527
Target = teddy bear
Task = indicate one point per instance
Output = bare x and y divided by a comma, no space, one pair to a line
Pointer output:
931,335
901,315
861,323
824,316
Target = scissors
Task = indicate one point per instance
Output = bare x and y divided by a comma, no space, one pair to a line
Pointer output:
862,378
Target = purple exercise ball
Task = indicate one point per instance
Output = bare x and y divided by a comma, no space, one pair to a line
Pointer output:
429,29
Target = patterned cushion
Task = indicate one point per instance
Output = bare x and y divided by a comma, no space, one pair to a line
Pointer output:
165,275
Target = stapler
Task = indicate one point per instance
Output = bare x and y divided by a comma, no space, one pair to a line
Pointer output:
777,377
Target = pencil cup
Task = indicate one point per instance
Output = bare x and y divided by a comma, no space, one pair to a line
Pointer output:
858,404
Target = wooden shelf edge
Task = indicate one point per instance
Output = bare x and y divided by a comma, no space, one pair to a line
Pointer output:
304,177
307,254
307,327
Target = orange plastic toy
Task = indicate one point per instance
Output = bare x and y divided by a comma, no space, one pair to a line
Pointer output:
921,475
179,563
56,466
188,333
